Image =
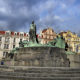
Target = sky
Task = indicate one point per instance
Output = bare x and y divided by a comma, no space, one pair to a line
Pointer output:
61,15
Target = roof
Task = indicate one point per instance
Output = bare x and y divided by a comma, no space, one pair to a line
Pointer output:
62,33
44,30
2,32
13,33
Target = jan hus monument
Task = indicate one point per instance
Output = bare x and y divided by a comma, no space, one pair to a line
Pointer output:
31,53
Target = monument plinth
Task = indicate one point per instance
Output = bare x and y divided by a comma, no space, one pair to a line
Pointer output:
41,57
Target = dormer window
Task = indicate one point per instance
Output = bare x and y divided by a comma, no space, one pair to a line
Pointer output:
7,33
21,34
18,33
15,34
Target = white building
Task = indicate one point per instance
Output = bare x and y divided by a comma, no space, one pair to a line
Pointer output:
10,40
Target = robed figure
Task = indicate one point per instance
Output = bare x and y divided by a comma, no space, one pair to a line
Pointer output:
32,33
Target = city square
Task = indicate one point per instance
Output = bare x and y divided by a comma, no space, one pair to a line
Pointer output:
39,40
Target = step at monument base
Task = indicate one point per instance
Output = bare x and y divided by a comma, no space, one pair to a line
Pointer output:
38,73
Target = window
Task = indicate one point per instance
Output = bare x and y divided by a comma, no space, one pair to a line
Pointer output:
69,35
13,46
69,39
51,32
78,39
45,42
15,34
6,46
44,36
47,36
21,34
20,39
0,46
14,40
51,37
7,39
4,54
7,33
48,32
0,38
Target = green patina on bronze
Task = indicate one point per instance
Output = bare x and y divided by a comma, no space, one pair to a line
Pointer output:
32,33
58,42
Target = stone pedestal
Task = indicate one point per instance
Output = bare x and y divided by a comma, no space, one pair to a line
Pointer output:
41,57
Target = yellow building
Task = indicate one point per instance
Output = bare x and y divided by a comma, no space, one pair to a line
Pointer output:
72,40
78,48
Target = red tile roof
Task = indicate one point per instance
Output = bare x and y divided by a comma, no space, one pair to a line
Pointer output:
24,34
18,33
2,32
44,30
62,33
12,33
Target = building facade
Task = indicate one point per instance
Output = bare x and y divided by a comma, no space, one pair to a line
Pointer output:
9,40
47,35
72,40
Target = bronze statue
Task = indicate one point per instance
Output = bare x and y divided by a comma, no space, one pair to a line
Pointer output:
32,33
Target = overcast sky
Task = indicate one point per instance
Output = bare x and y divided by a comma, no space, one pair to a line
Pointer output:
16,15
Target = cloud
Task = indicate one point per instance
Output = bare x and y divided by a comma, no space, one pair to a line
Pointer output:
17,15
